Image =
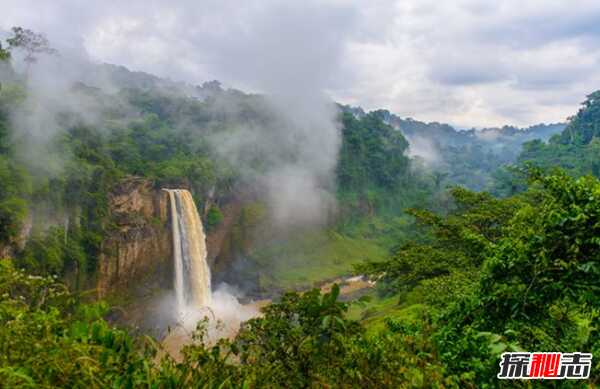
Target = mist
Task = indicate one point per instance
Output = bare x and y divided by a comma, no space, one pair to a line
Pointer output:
292,62
425,149
291,54
52,101
288,155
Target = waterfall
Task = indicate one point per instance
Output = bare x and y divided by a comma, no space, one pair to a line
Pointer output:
192,274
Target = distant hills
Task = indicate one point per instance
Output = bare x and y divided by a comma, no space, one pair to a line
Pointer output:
463,157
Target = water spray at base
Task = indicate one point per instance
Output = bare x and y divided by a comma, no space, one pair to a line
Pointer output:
194,299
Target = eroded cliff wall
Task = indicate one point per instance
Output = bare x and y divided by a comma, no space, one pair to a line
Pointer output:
137,251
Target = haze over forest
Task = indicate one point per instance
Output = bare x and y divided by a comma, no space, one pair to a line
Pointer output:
315,194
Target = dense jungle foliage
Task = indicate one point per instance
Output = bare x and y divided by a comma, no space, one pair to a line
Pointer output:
491,276
461,275
577,148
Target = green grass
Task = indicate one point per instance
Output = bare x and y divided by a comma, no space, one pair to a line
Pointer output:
313,257
373,313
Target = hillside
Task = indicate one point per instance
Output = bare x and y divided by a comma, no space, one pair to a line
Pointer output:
468,158
153,129
576,148
282,196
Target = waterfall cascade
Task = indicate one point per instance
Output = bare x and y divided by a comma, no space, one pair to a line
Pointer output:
192,274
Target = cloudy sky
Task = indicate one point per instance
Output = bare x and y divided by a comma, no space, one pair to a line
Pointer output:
468,63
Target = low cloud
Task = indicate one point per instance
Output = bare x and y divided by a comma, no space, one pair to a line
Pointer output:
425,149
50,92
467,63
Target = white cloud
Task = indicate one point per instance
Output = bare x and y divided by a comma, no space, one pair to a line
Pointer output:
470,63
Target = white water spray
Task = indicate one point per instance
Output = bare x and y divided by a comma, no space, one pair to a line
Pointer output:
192,274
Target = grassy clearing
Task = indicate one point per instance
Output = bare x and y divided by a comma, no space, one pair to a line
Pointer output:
373,313
313,257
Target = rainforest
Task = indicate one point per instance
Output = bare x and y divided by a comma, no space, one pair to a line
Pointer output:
166,231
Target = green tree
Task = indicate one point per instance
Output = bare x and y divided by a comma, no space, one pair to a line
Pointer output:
48,339
538,287
4,54
213,218
585,125
575,149
454,243
12,213
31,43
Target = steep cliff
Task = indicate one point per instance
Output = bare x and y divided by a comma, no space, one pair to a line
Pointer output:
137,252
219,240
10,249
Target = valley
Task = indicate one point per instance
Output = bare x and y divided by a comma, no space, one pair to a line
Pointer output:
172,234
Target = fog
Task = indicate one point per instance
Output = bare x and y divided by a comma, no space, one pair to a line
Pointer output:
275,50
223,317
296,133
292,61
424,148
51,92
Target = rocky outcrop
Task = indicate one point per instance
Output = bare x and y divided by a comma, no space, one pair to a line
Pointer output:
137,252
219,240
17,244
5,251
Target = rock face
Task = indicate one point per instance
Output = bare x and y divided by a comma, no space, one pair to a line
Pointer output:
10,249
137,255
219,240
5,251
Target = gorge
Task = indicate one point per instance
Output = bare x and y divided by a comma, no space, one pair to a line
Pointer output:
308,230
